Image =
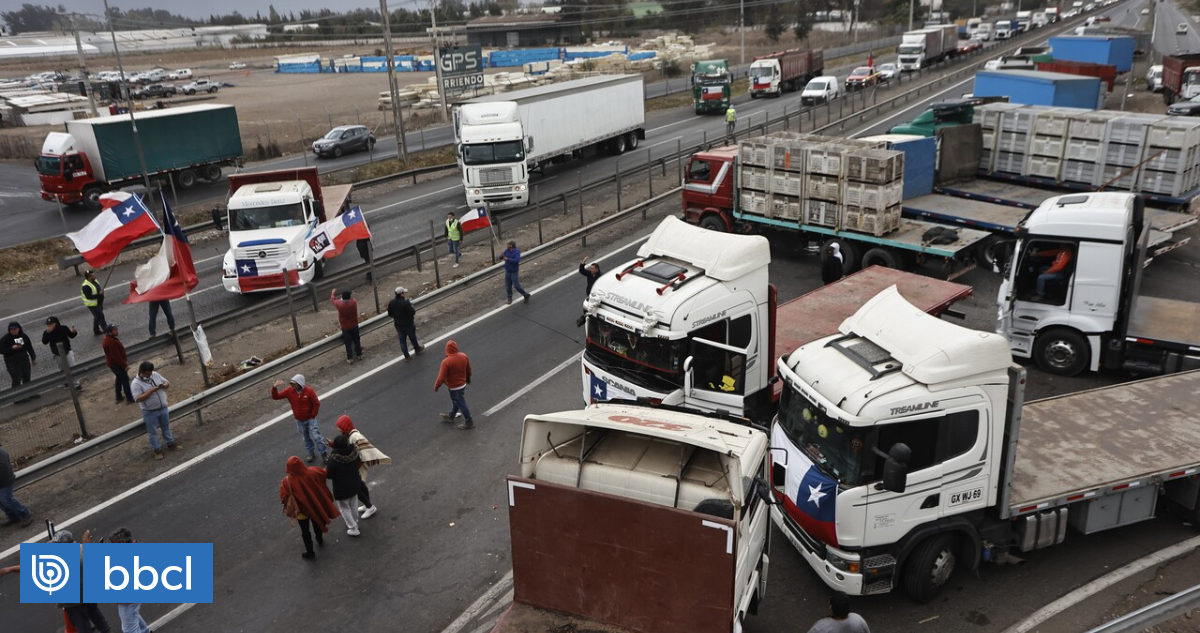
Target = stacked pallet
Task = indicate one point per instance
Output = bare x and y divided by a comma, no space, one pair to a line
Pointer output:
1088,149
837,183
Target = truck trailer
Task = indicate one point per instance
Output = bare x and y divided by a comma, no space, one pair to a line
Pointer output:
98,155
502,138
784,71
1034,87
1097,49
929,460
921,48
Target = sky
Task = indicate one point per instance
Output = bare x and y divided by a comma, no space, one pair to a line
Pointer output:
194,9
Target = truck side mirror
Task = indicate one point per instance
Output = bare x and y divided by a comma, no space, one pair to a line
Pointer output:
763,490
895,468
528,143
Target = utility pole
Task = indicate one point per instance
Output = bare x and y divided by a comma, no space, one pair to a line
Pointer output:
437,56
83,71
397,111
854,23
742,28
137,140
911,9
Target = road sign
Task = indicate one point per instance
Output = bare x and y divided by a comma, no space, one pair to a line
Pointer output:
462,69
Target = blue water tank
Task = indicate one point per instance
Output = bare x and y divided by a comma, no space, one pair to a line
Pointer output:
920,160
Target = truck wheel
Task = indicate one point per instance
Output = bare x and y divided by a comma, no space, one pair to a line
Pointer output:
712,223
631,140
1061,351
91,197
880,257
849,253
618,144
929,568
186,178
212,173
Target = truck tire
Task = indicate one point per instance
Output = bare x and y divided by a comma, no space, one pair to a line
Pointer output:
879,256
185,178
631,140
91,197
1061,351
212,173
849,253
929,567
618,145
712,222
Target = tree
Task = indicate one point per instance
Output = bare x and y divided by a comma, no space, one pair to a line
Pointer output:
32,18
775,26
272,15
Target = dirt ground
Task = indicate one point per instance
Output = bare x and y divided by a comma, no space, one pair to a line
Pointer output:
60,496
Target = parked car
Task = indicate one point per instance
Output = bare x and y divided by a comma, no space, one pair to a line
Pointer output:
344,139
236,65
154,91
1154,78
820,90
1146,11
200,85
888,71
862,77
1182,29
182,73
1191,107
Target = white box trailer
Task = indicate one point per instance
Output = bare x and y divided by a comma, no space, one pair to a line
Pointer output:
501,138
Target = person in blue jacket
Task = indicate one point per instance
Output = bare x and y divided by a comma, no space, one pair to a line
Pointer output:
512,269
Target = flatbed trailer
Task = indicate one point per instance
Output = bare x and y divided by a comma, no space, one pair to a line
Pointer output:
1084,446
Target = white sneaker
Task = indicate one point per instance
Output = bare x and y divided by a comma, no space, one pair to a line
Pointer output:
353,532
456,265
362,509
369,512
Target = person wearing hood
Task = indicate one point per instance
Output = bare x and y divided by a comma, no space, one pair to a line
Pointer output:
305,406
19,357
83,616
832,263
342,471
117,361
455,373
58,336
306,499
404,318
368,456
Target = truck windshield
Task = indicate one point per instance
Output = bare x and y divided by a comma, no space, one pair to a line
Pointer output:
760,71
487,153
712,80
278,216
653,363
1191,75
911,49
49,165
837,449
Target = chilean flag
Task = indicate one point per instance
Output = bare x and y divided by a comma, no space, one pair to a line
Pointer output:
809,495
171,273
477,218
123,219
332,236
708,93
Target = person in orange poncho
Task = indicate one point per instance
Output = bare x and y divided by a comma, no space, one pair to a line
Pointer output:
306,499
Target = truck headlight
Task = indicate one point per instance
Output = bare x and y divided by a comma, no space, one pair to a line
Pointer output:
844,561
518,187
475,192
304,264
228,270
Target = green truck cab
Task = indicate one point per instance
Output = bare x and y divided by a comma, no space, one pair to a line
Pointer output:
711,86
943,114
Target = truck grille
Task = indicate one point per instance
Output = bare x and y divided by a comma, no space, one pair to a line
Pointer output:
268,252
495,176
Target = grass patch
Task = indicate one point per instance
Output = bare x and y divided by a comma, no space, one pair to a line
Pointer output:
439,156
17,262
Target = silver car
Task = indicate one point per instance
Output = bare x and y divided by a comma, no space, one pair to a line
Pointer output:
343,140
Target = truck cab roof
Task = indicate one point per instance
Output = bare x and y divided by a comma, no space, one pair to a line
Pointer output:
1103,216
263,194
722,256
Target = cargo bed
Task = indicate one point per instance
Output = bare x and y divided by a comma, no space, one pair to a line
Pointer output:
1093,443
1166,322
969,212
908,237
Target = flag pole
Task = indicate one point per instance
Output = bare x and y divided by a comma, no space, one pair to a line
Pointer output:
196,328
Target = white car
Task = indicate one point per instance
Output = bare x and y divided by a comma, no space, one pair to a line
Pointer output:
888,71
1146,11
199,85
236,65
1154,78
1182,29
820,90
182,73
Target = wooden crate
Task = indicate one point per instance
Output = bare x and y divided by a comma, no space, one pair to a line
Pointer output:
825,160
1044,145
787,182
872,222
756,153
872,196
788,155
754,202
1044,167
879,166
823,187
757,178
821,212
785,207
1083,149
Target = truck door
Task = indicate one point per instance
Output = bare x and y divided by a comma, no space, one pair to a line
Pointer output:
1040,288
721,360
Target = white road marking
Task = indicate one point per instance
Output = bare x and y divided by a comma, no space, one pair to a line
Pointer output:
406,200
171,615
1096,586
481,604
531,386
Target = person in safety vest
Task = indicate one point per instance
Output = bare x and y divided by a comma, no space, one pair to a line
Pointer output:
730,120
93,299
454,237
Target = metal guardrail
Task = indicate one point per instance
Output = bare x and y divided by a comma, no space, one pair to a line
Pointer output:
1150,615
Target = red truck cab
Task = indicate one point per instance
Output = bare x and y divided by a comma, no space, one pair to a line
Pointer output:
708,188
65,173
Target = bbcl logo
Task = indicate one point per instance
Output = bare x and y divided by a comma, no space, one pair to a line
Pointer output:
144,573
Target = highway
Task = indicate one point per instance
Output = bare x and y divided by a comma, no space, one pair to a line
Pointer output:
1167,18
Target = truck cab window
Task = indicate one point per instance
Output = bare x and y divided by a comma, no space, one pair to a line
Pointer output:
932,440
700,171
1046,270
717,369
74,163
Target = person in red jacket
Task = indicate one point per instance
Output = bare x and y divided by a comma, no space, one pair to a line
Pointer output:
1056,270
347,309
455,373
305,407
114,357
312,505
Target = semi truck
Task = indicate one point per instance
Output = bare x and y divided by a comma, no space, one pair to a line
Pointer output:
712,86
1090,314
502,138
98,155
639,519
1181,77
925,459
784,71
695,322
271,215
921,48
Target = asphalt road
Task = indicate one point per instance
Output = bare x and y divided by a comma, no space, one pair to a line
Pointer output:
1168,16
441,538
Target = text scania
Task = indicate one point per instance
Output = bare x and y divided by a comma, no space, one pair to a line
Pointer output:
913,408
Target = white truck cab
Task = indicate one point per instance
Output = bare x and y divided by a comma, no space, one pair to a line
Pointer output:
492,149
269,224
765,77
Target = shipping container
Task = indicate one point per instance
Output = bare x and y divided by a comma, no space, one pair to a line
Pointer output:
1032,87
1114,50
1106,72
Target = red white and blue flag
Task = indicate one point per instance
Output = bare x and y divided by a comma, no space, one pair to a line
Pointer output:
708,93
171,273
332,236
123,219
476,218
809,495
